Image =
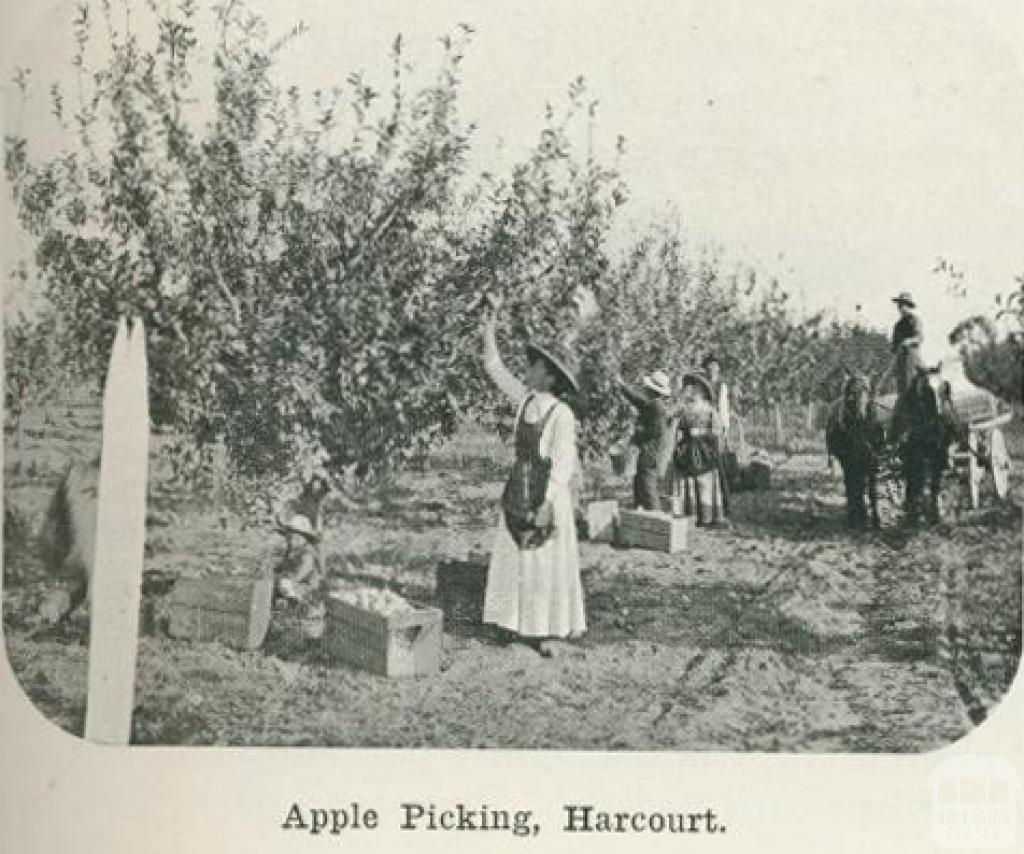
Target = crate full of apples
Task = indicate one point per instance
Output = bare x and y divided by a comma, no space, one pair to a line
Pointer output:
379,630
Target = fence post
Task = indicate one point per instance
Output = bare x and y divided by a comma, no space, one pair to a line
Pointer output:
115,586
809,419
780,432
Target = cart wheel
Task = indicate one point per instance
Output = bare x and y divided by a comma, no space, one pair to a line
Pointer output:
948,501
999,461
975,470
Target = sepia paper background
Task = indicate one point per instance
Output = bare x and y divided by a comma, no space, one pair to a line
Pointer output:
59,794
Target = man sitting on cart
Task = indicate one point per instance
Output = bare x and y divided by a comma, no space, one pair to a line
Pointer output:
907,335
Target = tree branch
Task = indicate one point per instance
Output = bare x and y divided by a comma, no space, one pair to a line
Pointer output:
225,291
382,224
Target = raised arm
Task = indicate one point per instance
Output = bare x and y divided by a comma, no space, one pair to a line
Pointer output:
501,376
631,394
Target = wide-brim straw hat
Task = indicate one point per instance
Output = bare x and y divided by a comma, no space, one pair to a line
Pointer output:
905,298
698,381
559,357
659,383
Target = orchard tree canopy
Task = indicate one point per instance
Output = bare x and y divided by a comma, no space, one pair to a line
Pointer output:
312,268
310,273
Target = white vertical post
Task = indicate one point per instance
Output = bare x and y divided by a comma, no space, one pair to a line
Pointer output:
116,587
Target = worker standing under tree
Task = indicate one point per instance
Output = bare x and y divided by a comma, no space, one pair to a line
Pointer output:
534,593
697,464
653,436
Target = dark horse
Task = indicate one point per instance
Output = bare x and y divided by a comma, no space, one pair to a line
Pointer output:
923,427
855,437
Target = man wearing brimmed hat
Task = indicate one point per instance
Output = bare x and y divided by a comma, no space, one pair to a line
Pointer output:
907,335
652,436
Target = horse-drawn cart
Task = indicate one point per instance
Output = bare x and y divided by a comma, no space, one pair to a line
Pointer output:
982,453
985,454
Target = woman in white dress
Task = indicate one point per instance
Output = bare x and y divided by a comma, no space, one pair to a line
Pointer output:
533,585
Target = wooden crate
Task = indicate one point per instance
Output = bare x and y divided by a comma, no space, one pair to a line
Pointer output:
232,610
602,517
733,472
657,531
402,644
460,586
758,476
674,505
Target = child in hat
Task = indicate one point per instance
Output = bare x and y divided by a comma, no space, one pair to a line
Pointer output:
652,437
533,584
298,519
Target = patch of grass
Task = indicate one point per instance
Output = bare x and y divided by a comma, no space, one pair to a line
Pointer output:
475,449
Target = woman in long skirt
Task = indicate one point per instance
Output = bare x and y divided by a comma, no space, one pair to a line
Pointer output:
698,468
533,586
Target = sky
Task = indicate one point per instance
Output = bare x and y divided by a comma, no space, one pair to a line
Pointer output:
844,145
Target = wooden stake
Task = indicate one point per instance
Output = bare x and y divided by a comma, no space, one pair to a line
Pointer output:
120,541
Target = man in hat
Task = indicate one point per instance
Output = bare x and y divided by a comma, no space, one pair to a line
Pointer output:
653,435
907,335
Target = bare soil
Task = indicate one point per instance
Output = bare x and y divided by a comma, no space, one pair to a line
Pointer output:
785,633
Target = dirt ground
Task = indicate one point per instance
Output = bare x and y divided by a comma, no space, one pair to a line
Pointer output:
786,633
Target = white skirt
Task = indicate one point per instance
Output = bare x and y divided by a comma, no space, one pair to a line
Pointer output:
537,592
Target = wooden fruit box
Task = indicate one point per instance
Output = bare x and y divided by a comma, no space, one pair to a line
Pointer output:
758,476
399,644
602,517
733,472
672,504
232,610
656,531
460,586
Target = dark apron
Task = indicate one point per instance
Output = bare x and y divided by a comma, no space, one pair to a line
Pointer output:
527,484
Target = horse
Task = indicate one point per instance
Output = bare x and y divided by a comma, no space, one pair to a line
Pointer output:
856,438
924,425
